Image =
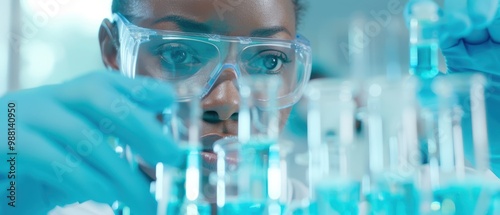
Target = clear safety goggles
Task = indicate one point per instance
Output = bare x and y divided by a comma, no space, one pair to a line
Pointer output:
192,59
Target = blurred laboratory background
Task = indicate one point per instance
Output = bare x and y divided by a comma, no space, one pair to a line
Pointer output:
50,41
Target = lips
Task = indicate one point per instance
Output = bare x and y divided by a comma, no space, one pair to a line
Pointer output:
210,157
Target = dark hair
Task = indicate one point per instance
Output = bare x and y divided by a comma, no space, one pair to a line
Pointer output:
299,10
122,6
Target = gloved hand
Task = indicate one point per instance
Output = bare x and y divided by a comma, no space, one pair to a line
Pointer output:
61,140
470,42
470,36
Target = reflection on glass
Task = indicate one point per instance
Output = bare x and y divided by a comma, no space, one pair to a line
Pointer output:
248,168
457,140
335,187
393,147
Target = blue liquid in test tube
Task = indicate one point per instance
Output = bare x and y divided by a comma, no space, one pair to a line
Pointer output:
424,60
338,197
179,189
257,174
395,159
259,159
335,184
465,198
395,199
424,39
460,191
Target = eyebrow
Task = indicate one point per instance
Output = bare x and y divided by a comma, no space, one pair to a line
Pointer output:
186,24
189,25
268,32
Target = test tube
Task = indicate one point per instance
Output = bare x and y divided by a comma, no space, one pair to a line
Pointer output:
257,174
178,189
461,128
394,156
333,173
259,115
424,39
227,175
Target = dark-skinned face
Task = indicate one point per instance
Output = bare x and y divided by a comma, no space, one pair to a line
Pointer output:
249,18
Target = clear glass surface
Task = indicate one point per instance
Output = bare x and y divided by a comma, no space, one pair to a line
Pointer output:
198,59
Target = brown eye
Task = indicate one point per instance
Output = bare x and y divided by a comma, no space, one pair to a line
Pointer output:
177,54
272,63
178,60
269,62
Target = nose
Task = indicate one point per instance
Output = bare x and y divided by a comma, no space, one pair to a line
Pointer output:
222,101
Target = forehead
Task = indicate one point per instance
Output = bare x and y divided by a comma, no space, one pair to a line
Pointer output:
226,17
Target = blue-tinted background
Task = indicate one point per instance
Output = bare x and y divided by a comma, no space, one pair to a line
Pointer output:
59,37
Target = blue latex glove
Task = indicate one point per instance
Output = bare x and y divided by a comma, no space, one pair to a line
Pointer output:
61,141
470,41
470,35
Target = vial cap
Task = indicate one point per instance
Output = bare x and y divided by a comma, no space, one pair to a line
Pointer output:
426,9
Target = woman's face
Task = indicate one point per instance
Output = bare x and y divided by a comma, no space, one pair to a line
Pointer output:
256,18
